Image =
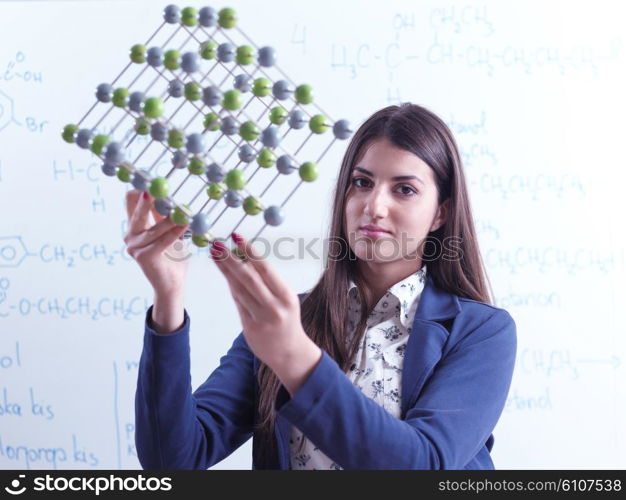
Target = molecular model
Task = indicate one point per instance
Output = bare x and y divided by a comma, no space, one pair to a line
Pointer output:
224,110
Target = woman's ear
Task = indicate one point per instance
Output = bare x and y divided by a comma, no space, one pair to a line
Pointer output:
441,216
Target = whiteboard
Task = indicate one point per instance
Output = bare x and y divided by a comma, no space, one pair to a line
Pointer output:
534,93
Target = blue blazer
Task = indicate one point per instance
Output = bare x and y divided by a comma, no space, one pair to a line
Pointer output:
457,371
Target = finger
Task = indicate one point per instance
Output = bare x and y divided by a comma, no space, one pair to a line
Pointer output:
167,239
152,234
269,276
139,220
247,277
132,197
244,313
241,281
156,215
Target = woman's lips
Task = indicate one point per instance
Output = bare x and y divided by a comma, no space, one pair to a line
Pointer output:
373,234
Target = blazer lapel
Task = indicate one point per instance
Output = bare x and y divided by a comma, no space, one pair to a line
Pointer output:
425,343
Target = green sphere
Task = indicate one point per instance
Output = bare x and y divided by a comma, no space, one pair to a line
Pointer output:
142,126
193,91
138,53
266,158
262,87
68,132
120,97
249,131
98,143
196,165
308,171
212,122
252,205
318,124
123,172
304,94
216,191
200,240
227,18
153,107
278,115
208,50
189,16
171,59
175,138
159,187
234,179
231,100
181,215
245,55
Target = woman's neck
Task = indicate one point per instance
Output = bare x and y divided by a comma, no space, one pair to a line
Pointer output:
378,277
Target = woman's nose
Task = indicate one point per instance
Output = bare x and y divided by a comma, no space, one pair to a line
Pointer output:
376,204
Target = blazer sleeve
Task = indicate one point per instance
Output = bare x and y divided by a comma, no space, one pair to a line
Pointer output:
451,420
178,429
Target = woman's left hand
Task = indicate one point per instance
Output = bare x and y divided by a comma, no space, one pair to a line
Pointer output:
269,309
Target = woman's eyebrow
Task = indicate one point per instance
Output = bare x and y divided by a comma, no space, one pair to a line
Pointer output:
396,178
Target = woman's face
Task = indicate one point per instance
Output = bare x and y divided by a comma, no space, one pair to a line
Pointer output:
395,190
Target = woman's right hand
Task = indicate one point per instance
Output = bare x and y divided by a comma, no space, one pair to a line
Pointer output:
153,247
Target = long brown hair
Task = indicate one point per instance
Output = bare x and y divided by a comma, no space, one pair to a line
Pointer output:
324,309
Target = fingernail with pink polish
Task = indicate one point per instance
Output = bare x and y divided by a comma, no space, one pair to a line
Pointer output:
219,246
236,238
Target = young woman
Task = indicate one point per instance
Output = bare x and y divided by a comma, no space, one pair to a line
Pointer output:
395,359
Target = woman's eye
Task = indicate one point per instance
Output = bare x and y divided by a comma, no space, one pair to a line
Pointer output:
405,190
356,180
408,190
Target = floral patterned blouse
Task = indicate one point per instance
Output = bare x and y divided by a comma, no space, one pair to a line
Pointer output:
377,366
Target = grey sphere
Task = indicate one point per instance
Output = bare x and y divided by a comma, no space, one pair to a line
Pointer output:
267,56
199,224
274,215
247,153
179,159
195,144
141,180
207,17
109,169
270,137
176,88
233,199
297,119
226,52
286,165
104,92
114,153
163,206
190,62
135,101
282,90
229,125
215,173
342,129
154,56
171,14
243,83
158,131
83,136
211,96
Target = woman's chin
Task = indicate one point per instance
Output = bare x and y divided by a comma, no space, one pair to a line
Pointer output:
377,251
